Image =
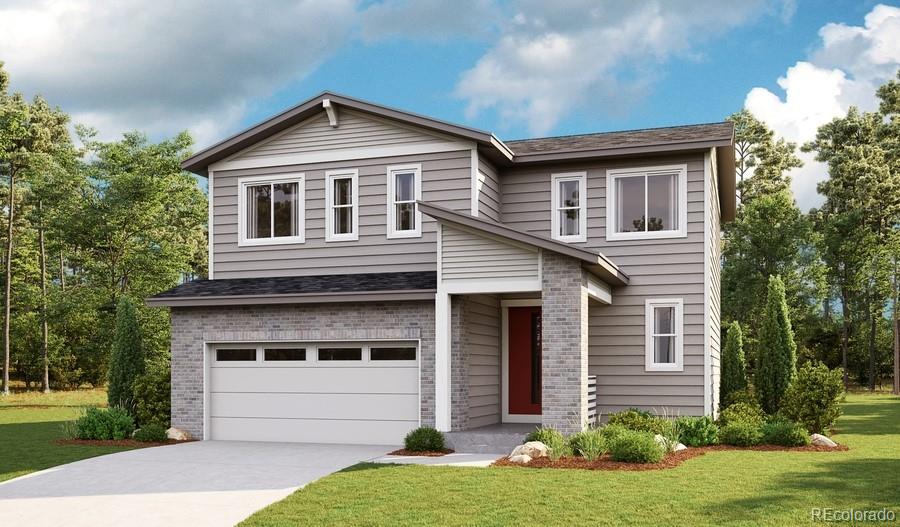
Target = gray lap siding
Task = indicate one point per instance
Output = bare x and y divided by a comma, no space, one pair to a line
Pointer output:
193,327
657,268
446,181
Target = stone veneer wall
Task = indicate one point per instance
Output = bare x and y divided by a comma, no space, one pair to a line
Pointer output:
192,327
564,319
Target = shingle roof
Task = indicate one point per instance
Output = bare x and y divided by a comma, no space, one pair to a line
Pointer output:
625,139
303,285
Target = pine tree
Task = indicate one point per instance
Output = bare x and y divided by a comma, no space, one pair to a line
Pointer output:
127,361
777,350
734,368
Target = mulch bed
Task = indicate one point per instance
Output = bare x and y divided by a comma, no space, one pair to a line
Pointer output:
671,460
132,443
434,453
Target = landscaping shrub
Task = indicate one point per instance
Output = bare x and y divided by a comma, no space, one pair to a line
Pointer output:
777,361
589,444
152,400
127,358
740,396
636,447
697,431
814,396
784,432
424,439
151,432
734,368
742,413
554,440
97,423
610,432
740,433
642,421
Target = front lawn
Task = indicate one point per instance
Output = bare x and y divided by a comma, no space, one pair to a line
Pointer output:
734,487
31,422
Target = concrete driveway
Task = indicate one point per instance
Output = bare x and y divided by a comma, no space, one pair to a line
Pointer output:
200,483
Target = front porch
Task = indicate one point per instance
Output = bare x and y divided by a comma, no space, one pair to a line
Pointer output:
511,332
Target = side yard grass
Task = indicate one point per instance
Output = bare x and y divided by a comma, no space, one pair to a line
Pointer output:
729,487
30,423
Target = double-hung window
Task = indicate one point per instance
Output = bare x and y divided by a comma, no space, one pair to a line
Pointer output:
569,207
404,187
341,205
644,203
270,209
664,334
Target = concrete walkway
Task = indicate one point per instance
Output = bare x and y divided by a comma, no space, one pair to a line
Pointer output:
450,460
214,483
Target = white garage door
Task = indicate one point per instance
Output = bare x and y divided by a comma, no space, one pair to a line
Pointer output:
363,393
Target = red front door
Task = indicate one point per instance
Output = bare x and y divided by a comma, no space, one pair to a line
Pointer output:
524,360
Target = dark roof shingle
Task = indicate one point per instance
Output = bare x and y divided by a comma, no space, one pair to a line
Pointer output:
630,138
300,285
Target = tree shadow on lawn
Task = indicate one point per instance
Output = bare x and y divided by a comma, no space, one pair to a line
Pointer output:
867,483
27,447
870,417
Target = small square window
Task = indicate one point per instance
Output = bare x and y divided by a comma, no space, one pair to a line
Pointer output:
340,354
398,353
284,354
236,355
646,203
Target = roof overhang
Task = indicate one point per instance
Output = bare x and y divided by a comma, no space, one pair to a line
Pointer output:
595,263
625,151
198,163
727,181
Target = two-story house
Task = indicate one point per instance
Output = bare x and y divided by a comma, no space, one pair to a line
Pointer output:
372,270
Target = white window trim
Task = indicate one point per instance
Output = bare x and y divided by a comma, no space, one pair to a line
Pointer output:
612,206
244,182
649,305
391,208
556,179
330,176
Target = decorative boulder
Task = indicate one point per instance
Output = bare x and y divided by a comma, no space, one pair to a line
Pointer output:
679,447
663,442
178,434
520,458
820,440
532,449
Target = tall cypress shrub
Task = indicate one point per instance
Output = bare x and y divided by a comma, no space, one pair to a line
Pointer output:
777,351
127,361
734,367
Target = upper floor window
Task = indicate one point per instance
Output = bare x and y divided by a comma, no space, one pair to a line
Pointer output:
270,209
569,201
341,205
646,203
404,187
664,333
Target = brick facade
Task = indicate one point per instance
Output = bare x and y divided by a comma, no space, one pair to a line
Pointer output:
564,354
192,327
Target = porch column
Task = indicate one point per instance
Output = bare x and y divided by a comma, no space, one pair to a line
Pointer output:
442,361
564,355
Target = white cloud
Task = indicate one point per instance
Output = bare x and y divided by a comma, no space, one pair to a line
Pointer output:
845,70
548,63
169,65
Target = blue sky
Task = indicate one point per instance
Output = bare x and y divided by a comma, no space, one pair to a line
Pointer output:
519,68
421,77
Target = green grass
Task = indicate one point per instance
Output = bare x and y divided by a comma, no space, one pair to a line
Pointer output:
30,422
736,488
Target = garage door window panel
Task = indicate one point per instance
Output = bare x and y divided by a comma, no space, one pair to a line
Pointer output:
392,354
236,355
340,354
284,354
